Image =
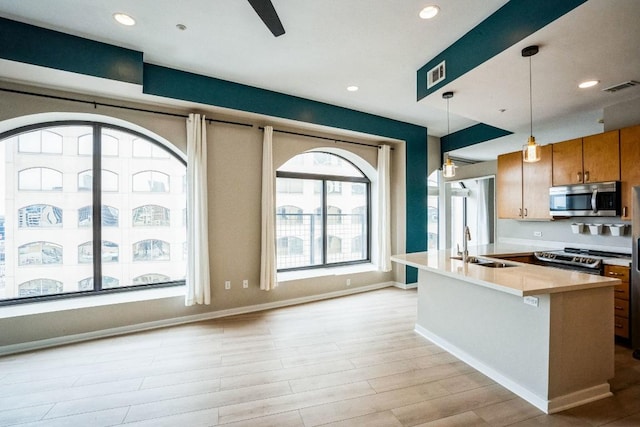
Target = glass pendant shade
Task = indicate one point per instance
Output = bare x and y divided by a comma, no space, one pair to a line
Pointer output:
531,151
448,169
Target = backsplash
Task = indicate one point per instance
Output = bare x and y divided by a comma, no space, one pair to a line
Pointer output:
560,231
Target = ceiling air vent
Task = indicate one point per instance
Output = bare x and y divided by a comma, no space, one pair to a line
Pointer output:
436,75
621,86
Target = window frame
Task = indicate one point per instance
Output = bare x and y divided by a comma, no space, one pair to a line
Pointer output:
96,203
323,178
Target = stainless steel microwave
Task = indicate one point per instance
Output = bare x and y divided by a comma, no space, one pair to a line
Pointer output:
597,199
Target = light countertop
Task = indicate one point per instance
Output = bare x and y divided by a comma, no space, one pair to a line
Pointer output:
521,279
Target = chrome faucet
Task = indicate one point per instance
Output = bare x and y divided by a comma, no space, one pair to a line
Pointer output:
466,236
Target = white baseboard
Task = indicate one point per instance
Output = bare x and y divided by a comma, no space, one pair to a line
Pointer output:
554,405
70,339
405,286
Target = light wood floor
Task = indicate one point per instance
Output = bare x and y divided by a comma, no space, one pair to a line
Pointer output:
352,361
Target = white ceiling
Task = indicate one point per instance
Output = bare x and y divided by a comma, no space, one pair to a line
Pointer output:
376,45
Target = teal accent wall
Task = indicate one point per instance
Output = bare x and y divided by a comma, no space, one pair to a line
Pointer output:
34,45
472,135
171,83
508,25
38,46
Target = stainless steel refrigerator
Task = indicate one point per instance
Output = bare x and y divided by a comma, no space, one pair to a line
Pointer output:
635,275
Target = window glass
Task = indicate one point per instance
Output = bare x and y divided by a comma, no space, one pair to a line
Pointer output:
151,181
151,216
39,216
44,254
40,179
325,220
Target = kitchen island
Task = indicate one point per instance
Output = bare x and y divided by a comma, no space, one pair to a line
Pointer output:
545,334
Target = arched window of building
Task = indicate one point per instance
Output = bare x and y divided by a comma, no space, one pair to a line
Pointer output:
289,214
40,142
39,253
38,287
39,216
47,156
151,216
150,278
110,216
151,181
109,180
151,250
323,192
39,179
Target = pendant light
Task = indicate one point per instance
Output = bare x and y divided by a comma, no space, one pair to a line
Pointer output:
531,151
448,168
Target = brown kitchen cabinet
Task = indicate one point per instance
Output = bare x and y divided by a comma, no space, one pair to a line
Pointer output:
594,158
629,170
523,188
621,298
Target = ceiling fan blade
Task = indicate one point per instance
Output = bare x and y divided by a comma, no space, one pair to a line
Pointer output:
266,12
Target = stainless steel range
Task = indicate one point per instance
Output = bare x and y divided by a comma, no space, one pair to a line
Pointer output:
583,260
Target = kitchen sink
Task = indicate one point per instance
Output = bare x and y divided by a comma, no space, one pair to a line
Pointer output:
486,262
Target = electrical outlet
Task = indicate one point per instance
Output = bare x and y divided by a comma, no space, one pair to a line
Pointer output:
537,234
531,301
245,283
348,282
227,284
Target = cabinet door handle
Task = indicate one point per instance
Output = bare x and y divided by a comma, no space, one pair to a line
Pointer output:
520,212
618,326
620,291
617,307
579,177
613,273
624,211
526,212
586,176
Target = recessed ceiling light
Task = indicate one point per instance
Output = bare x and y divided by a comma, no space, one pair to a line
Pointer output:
429,11
124,19
588,83
352,88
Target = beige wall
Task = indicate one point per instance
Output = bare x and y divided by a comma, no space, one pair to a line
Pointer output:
234,182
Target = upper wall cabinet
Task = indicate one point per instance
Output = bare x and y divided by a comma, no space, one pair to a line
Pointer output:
523,188
593,158
629,169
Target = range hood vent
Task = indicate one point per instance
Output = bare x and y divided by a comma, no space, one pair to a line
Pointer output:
621,86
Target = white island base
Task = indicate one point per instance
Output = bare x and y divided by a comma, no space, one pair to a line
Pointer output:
556,355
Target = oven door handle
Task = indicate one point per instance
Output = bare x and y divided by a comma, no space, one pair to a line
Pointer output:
594,196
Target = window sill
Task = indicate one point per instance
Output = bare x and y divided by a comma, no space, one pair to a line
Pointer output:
89,301
290,276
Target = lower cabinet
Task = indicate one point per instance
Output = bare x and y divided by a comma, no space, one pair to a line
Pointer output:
621,298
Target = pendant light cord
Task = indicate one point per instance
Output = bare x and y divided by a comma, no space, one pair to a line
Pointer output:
530,100
448,129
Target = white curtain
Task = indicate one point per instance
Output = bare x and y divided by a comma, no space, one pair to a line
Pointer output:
268,269
198,283
483,212
384,208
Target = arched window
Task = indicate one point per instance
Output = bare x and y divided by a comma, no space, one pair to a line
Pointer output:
62,155
39,216
41,142
39,179
110,252
38,287
110,216
107,283
151,181
290,214
322,187
151,216
109,180
39,253
151,250
146,279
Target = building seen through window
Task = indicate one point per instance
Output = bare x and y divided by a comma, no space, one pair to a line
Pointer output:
48,203
322,214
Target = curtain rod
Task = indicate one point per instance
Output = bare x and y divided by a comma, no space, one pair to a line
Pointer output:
102,104
326,138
